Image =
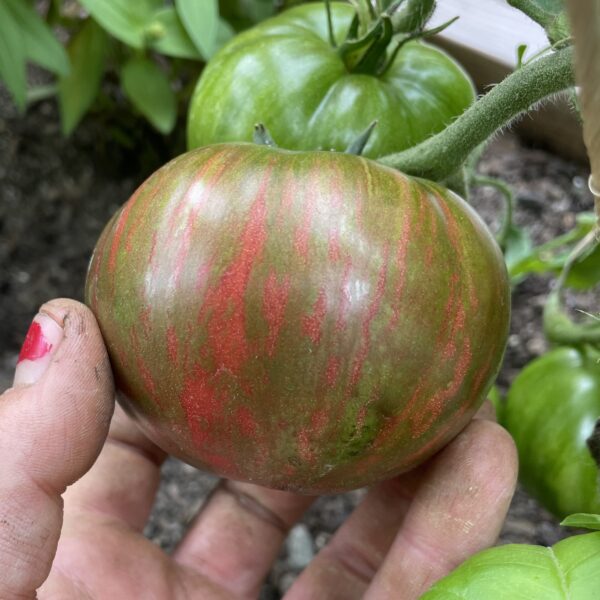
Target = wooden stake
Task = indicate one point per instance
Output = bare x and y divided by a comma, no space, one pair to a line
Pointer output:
585,23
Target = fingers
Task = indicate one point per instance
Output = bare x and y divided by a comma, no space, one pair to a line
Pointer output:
345,567
53,423
459,508
123,481
414,528
237,535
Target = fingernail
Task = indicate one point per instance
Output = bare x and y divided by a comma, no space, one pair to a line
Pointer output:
40,344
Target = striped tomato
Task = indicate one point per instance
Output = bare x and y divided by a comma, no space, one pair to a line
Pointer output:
310,321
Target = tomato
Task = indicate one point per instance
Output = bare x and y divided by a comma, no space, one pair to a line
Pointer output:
285,74
310,321
551,410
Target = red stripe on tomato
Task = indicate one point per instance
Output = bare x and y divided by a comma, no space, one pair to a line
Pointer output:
275,299
118,233
172,344
312,324
224,304
371,312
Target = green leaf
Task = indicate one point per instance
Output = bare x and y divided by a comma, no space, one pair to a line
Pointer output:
166,34
585,273
567,570
12,57
523,259
520,54
41,47
550,14
518,245
77,91
582,521
201,21
150,92
124,19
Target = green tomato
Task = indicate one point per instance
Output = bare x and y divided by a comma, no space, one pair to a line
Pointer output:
285,74
569,569
550,411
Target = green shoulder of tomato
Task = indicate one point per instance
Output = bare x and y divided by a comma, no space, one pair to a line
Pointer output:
551,410
310,93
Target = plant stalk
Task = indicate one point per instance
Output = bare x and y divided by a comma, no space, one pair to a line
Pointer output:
444,153
585,21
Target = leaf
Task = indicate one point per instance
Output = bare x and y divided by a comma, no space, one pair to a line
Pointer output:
12,57
569,569
150,92
522,258
166,34
520,54
41,47
201,21
582,521
585,273
77,91
518,245
124,19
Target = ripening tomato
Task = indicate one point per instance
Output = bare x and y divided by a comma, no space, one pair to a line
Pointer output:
310,321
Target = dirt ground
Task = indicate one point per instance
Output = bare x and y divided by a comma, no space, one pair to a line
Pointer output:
55,196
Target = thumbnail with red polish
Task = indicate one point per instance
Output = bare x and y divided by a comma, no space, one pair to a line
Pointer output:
35,345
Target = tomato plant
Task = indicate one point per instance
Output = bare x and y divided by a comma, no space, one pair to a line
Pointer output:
314,91
550,411
303,320
569,569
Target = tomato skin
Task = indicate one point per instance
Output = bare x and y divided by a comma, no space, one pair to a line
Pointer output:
551,410
285,74
309,321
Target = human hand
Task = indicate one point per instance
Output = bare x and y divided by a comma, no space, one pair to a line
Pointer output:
407,533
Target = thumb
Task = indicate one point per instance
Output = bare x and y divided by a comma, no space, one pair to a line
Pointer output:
53,423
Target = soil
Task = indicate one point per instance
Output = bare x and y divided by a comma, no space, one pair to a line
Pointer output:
55,196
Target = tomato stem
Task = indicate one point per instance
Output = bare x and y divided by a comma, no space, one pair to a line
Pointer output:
444,153
332,39
558,326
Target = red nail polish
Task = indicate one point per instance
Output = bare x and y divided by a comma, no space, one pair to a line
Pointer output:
35,345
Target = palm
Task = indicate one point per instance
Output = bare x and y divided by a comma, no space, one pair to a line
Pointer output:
105,559
232,543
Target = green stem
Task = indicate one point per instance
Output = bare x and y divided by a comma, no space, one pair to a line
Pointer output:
412,15
332,39
364,11
509,202
441,155
41,92
534,12
558,326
